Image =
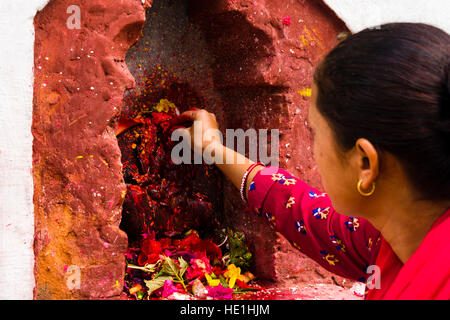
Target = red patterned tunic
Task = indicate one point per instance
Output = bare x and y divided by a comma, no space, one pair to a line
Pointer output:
343,245
346,245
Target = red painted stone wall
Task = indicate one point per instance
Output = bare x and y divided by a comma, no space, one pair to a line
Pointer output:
80,78
262,73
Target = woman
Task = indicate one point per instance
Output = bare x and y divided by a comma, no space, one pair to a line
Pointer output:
380,114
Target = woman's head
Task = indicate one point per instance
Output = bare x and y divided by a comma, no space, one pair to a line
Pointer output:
384,94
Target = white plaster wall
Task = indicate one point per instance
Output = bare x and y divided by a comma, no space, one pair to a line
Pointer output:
16,94
16,183
361,14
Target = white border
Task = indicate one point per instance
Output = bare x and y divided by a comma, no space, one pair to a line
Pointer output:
16,142
361,14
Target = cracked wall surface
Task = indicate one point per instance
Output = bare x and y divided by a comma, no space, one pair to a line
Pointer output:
80,77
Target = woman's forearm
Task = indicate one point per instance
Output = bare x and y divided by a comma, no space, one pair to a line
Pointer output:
234,165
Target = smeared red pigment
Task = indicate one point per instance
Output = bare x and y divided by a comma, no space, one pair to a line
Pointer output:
163,198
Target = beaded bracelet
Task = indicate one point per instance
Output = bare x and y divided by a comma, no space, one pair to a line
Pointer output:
244,179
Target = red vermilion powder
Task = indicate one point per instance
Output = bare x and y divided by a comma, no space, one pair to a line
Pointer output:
163,198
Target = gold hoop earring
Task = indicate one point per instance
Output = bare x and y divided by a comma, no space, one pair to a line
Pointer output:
365,194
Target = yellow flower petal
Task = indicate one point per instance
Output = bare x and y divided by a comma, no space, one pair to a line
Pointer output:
231,267
212,282
233,272
232,282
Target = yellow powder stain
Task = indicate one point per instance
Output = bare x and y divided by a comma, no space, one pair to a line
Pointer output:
305,92
319,37
124,193
133,146
164,105
304,40
307,37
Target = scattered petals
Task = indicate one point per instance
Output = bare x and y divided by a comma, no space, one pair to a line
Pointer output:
212,282
287,21
182,269
220,292
136,289
169,288
198,289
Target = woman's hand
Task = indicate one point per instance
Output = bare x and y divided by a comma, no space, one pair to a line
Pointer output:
204,129
203,132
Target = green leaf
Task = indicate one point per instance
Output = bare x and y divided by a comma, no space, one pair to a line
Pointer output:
170,267
239,253
223,282
156,283
183,266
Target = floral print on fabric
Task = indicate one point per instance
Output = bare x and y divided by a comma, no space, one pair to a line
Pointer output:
305,216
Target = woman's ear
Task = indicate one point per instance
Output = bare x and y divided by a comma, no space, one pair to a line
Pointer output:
368,162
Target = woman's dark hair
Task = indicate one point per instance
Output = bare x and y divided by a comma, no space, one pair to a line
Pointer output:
391,85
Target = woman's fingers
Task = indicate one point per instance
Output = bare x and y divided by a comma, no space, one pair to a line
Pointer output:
181,119
192,115
187,116
206,131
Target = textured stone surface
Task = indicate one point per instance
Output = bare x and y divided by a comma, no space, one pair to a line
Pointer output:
80,78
